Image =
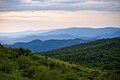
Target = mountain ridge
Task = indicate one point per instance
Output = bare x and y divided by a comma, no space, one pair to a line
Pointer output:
93,54
39,46
65,33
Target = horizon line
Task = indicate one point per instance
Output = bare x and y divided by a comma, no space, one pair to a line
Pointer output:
56,29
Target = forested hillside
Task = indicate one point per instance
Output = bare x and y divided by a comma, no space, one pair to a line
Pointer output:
21,64
98,60
104,54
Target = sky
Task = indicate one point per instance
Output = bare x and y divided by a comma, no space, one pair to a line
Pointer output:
23,15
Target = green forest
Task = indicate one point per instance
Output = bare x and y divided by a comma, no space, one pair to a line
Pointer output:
103,54
97,60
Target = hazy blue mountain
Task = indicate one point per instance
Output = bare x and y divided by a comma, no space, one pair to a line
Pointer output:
67,33
22,33
115,34
31,38
83,32
4,38
12,37
41,46
48,37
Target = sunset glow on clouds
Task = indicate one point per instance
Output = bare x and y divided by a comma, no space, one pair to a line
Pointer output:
21,15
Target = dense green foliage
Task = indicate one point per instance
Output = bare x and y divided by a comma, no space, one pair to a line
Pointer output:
103,53
21,64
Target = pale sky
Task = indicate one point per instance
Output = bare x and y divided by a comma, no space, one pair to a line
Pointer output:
23,15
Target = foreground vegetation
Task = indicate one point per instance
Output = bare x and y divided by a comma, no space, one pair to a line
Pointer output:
22,64
102,54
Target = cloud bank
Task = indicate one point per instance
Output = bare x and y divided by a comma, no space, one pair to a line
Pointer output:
65,5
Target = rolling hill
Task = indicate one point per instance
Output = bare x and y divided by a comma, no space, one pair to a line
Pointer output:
42,46
21,64
82,32
34,37
97,60
66,33
103,54
115,34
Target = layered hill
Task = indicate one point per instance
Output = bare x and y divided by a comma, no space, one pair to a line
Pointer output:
42,46
21,64
66,33
29,38
103,54
97,60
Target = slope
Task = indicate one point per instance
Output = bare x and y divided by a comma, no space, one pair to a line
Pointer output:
21,64
103,54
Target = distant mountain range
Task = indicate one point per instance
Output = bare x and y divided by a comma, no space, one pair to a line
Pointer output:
43,38
22,33
83,32
67,33
41,46
115,34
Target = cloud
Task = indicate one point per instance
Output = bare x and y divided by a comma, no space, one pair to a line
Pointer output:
67,5
27,20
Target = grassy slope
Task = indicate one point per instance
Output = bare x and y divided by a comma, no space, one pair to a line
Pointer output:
6,76
21,64
102,54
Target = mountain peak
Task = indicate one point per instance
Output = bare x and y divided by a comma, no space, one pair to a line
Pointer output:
35,41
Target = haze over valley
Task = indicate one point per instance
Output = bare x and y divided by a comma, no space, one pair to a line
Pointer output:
54,39
59,39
